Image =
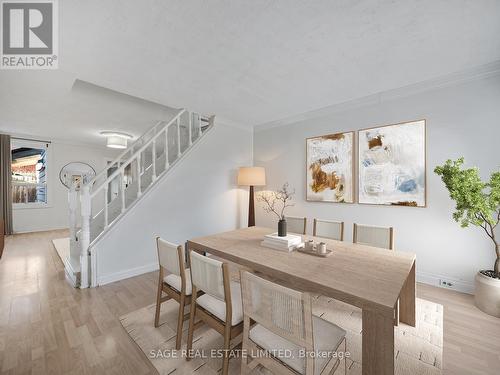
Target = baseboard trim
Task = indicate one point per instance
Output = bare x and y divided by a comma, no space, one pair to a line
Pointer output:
39,230
121,275
435,280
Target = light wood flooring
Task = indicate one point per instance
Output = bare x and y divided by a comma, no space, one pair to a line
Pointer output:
47,327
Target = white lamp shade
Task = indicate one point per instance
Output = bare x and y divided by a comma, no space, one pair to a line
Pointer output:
252,176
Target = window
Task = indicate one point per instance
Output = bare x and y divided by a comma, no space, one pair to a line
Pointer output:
29,173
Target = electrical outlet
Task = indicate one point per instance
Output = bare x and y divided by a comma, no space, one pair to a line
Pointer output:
445,283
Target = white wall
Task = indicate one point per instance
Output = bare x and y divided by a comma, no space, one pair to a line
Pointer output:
198,197
55,215
462,120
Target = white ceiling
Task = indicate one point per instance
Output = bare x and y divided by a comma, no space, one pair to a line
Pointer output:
53,105
251,61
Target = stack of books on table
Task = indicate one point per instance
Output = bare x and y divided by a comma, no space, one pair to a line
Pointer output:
287,243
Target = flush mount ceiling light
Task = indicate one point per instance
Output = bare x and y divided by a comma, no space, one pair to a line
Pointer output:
116,139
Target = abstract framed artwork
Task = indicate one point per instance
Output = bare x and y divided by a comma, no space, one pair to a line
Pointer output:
330,168
392,165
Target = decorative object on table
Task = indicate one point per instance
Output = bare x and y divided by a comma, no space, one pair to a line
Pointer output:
75,174
321,248
282,227
392,165
477,203
330,168
284,243
281,198
309,245
314,251
251,176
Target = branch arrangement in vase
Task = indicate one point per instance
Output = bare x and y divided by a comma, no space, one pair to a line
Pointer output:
477,202
276,202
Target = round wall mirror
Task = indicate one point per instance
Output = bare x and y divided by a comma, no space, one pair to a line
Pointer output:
76,173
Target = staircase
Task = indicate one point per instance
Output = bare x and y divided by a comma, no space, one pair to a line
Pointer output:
101,202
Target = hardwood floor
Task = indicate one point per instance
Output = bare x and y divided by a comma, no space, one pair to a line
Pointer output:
471,338
47,327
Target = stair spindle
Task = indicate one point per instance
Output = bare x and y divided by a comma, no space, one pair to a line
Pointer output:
122,180
178,138
190,124
199,126
166,148
138,162
153,156
106,222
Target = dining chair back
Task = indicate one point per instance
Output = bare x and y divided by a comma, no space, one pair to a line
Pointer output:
329,229
279,320
207,275
169,257
296,224
374,236
174,280
219,307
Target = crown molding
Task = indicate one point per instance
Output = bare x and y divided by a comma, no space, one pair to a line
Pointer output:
451,79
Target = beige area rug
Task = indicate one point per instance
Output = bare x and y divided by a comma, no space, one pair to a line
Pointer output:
418,351
62,247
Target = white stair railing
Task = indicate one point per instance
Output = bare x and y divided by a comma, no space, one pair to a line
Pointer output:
126,179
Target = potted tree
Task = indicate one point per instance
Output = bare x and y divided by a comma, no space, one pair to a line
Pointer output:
477,203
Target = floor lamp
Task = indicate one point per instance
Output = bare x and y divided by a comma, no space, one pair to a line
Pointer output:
251,176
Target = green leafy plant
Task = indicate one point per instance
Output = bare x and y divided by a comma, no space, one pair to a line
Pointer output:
477,202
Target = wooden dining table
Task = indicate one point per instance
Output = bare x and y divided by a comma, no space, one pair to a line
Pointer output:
370,278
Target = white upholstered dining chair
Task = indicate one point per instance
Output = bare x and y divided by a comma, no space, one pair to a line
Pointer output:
174,281
329,229
373,236
296,224
220,307
284,325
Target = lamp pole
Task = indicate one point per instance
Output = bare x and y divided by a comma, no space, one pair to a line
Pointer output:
251,208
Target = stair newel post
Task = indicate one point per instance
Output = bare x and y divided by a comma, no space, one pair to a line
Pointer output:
72,203
190,124
178,137
153,156
86,208
122,186
138,161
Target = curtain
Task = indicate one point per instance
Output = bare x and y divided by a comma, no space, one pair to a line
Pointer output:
5,183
